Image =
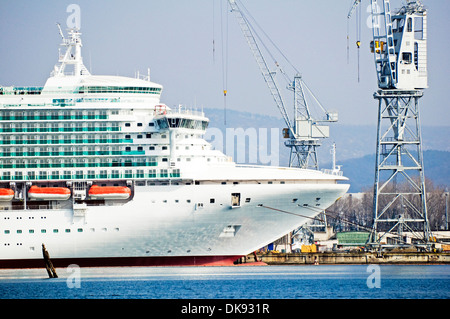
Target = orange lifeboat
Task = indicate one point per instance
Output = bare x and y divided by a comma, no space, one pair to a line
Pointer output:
48,193
6,194
109,192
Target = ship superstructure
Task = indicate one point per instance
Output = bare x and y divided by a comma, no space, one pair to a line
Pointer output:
103,173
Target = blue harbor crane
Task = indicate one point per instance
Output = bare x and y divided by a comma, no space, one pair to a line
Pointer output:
399,47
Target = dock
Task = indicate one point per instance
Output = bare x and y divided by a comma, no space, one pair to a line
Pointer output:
348,258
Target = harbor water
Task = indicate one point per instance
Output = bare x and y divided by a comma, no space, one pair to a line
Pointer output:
239,282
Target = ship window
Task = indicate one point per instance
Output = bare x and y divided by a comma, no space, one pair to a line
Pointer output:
212,200
127,136
67,230
151,148
151,124
397,25
235,199
247,200
43,231
164,159
6,231
80,230
409,25
139,124
418,28
19,231
148,135
55,231
162,123
416,55
31,231
407,57
164,148
139,136
174,122
127,124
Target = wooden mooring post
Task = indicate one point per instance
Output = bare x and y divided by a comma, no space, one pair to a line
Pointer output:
48,263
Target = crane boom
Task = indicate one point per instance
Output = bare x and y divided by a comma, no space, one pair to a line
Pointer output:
352,9
267,74
304,132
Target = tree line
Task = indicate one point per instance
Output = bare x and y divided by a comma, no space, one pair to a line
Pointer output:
354,212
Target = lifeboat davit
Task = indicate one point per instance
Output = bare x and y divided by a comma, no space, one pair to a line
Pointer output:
48,193
109,192
6,194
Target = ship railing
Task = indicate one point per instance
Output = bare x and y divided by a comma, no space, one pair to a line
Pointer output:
23,90
186,112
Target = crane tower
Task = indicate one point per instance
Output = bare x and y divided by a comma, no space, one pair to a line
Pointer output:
400,54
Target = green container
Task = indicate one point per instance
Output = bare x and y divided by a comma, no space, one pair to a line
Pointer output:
352,238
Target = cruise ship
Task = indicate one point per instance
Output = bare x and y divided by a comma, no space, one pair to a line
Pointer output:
102,173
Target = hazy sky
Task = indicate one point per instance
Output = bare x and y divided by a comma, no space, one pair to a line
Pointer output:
174,38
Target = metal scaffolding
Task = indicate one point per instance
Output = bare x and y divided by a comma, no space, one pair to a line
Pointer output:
399,189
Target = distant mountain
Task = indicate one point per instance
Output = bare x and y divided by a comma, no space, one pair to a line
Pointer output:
249,140
352,141
361,171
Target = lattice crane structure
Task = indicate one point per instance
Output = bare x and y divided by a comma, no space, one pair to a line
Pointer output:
400,54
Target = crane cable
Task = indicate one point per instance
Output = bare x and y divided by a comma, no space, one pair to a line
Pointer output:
358,34
335,216
348,39
248,14
213,32
224,57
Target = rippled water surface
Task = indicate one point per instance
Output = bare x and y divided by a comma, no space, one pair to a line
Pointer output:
245,282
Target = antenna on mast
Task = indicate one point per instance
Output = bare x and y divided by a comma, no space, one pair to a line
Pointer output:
72,55
60,31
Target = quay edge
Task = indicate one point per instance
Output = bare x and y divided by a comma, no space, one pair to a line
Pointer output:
339,258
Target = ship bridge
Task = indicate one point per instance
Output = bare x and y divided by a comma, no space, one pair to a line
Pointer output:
181,120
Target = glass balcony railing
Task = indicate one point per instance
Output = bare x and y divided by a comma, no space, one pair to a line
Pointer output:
97,175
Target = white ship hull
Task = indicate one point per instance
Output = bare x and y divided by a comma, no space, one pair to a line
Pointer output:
165,225
95,168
